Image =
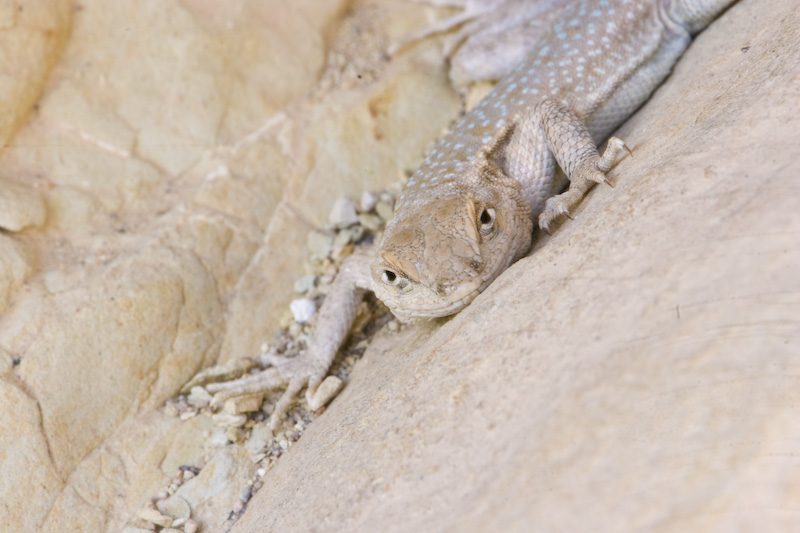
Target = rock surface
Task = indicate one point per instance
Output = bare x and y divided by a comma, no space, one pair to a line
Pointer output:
163,162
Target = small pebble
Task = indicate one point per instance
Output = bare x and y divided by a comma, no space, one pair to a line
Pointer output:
345,236
235,434
258,439
190,526
176,508
243,404
303,309
171,410
302,286
228,420
319,244
371,222
152,515
343,213
199,397
189,413
368,201
384,210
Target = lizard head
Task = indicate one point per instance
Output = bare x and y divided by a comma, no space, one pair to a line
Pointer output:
440,252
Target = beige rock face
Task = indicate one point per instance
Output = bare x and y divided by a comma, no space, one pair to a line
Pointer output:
637,372
32,35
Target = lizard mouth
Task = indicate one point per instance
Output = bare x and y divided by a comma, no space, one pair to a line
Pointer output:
432,305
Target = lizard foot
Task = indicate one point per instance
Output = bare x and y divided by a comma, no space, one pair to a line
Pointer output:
293,373
592,170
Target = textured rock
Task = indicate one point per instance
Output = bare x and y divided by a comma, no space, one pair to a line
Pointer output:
20,206
32,36
215,491
636,372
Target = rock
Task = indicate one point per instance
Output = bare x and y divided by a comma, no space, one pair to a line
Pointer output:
243,404
385,210
20,206
228,420
152,515
303,309
199,397
305,284
260,436
371,222
368,201
175,507
343,213
214,492
14,268
319,244
31,41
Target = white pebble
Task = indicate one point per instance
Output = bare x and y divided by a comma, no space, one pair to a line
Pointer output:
303,309
368,201
343,213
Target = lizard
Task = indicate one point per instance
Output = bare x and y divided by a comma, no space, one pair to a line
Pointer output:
469,211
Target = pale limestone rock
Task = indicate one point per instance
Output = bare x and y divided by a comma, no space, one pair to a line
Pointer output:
155,517
25,459
213,493
132,464
14,268
343,213
32,36
243,404
302,309
175,507
144,238
70,209
165,312
260,436
21,206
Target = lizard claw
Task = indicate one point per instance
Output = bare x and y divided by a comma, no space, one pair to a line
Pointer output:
293,373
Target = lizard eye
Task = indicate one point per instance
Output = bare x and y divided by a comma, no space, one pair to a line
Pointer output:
487,221
389,277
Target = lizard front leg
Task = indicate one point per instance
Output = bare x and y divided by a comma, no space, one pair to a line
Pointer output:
576,153
334,321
